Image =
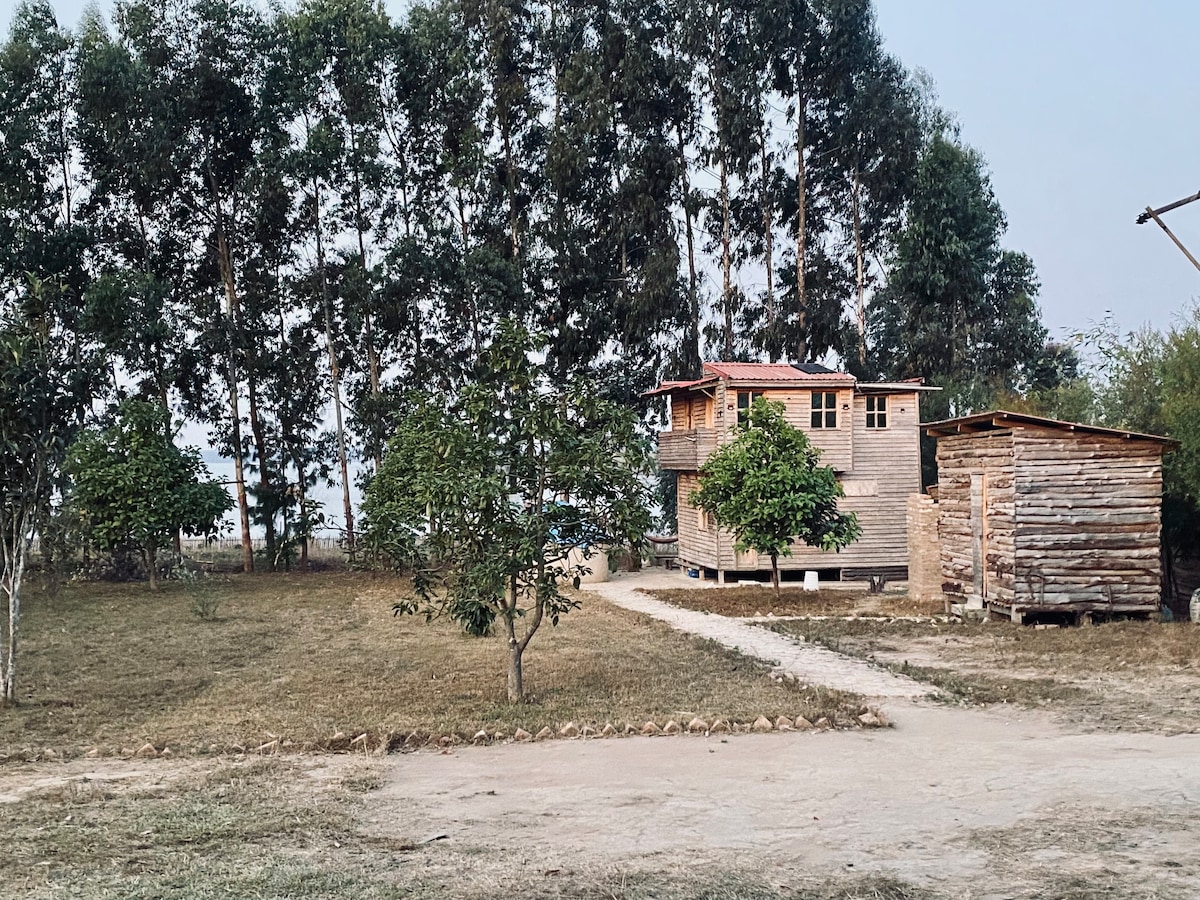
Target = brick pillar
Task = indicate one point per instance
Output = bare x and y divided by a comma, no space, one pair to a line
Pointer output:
924,550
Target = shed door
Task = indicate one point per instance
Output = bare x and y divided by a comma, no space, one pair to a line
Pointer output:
979,540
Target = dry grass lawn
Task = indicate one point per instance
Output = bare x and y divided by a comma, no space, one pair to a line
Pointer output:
1120,675
759,600
304,658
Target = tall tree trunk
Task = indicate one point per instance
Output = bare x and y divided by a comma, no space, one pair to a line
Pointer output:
368,327
510,182
726,263
723,175
264,477
233,319
473,310
693,365
768,240
801,222
335,376
775,573
304,523
861,306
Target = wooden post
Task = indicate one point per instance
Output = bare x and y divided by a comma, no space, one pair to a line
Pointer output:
1178,243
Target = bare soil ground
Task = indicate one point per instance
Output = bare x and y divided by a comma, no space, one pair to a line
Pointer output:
745,600
990,800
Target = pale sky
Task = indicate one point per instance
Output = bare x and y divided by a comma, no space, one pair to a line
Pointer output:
1086,113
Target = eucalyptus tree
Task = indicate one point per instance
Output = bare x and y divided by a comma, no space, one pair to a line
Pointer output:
799,30
651,307
957,308
41,236
722,41
611,292
340,51
681,50
456,271
135,307
200,129
316,161
874,138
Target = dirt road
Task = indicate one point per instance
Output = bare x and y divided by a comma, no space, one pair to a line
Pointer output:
963,802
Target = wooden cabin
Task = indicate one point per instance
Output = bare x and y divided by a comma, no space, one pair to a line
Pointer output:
1046,518
869,432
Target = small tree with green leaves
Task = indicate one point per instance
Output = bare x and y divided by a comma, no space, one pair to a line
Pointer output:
768,488
135,489
501,493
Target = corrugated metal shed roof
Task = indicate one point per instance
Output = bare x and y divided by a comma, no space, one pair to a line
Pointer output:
1000,419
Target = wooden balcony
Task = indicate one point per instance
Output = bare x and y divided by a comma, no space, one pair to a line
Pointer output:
686,450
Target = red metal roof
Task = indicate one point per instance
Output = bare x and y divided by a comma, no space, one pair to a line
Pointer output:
762,374
668,386
770,372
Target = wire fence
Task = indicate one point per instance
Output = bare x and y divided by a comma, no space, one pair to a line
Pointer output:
200,545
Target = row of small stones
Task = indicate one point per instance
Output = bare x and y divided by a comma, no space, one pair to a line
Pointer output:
696,726
417,739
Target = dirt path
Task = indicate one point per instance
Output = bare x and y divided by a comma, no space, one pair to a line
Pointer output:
960,801
810,664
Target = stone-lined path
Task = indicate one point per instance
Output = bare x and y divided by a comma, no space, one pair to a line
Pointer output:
808,663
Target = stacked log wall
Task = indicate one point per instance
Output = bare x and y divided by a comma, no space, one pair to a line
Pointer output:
1088,522
958,458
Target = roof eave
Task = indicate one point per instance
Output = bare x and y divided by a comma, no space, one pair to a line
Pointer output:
1003,420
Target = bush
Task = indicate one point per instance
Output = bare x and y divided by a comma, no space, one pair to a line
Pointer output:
202,592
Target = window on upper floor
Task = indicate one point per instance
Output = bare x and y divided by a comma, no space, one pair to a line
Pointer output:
745,399
824,409
877,412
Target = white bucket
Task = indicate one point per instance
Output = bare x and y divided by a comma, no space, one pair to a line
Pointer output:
1194,607
811,582
597,562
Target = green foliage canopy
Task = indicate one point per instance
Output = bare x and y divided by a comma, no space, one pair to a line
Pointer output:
135,488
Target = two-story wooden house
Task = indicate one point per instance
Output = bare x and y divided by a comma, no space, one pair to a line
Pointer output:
868,431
